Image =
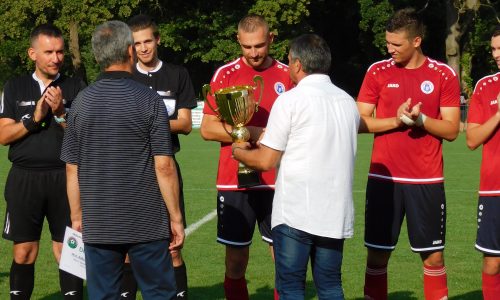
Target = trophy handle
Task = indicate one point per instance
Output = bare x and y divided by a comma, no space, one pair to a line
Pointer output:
205,90
257,79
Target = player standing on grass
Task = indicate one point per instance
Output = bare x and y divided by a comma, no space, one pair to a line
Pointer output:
482,129
174,85
239,208
417,106
32,122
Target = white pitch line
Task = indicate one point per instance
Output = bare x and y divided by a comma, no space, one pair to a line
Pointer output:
191,228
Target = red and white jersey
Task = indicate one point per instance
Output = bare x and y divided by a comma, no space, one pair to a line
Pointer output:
276,81
483,105
409,154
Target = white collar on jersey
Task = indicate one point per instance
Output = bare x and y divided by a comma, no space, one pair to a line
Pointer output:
40,82
158,67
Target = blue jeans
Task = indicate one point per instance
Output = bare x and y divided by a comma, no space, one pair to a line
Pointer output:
151,263
292,249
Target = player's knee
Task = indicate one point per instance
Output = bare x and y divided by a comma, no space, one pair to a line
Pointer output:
25,255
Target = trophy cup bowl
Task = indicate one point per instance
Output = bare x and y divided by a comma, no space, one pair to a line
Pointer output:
236,106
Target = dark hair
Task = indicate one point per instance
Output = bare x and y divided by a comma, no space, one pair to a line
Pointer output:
110,42
252,22
44,29
408,20
142,21
496,31
313,53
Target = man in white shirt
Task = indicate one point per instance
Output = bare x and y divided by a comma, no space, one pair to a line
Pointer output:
311,135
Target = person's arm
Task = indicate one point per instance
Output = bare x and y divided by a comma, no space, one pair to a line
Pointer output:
261,158
447,127
183,123
166,174
73,190
11,131
368,123
477,134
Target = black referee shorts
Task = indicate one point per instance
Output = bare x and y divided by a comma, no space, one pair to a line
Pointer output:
31,196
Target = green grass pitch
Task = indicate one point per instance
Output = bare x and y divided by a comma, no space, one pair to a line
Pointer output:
205,258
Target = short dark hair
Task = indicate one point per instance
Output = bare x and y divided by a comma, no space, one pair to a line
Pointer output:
313,53
496,31
408,20
44,29
141,22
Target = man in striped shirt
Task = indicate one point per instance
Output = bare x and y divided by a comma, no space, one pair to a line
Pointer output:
122,182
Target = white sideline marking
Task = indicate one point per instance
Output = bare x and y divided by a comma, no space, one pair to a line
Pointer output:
191,228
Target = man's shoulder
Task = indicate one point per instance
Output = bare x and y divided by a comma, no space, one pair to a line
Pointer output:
21,80
381,66
487,81
440,68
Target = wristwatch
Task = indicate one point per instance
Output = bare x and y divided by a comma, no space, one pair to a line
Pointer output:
60,119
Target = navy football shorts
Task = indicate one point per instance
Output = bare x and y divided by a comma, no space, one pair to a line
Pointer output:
388,202
488,225
237,212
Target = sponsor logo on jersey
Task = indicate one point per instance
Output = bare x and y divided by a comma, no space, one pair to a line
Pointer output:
437,242
393,85
427,87
493,102
279,88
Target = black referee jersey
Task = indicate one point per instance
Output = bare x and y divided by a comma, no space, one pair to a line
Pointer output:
173,84
42,149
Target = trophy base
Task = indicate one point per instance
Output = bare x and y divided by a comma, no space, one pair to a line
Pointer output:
250,179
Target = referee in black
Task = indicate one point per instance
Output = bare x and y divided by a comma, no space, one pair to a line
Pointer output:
32,121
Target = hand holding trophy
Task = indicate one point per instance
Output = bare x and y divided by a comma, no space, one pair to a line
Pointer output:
236,106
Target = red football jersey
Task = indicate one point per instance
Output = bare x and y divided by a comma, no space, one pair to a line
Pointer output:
276,81
483,105
409,154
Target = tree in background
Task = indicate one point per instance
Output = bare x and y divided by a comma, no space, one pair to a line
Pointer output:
457,31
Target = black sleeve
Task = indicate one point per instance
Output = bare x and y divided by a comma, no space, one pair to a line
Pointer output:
186,96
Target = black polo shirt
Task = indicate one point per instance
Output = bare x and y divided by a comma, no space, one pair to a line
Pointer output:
115,128
173,84
39,150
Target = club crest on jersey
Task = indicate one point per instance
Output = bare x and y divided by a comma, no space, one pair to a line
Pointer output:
279,88
427,87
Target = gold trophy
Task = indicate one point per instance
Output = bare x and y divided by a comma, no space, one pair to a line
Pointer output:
236,106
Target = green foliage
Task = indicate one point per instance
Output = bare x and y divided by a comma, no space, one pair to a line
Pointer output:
374,16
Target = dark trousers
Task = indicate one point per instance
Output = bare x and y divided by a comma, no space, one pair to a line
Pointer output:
151,263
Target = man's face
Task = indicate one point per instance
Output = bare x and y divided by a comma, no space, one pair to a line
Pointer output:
495,49
255,46
400,47
146,46
48,54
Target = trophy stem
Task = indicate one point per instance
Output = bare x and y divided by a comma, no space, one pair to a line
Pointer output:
247,177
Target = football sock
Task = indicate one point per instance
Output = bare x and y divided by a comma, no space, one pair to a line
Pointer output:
376,282
491,286
181,281
129,284
276,295
22,280
235,289
71,285
435,287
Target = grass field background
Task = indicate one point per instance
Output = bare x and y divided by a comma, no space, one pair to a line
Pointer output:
205,258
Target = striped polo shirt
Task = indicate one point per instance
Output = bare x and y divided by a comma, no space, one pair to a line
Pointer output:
115,128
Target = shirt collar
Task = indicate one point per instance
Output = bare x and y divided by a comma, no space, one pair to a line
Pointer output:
114,75
40,82
315,78
158,67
